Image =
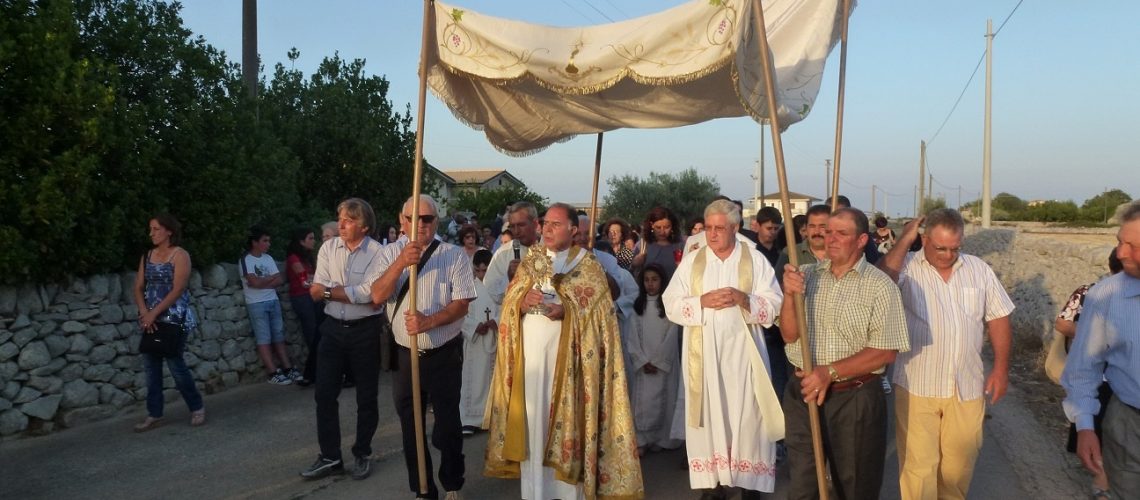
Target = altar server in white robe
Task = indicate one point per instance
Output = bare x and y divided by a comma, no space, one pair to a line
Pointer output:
722,295
654,367
480,334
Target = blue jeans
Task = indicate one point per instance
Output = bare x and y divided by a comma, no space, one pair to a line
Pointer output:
183,380
268,325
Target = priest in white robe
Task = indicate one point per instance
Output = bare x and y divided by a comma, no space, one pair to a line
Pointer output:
722,294
480,338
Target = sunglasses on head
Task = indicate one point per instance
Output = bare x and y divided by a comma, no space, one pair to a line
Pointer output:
424,219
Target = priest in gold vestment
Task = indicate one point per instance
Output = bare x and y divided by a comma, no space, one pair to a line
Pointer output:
558,411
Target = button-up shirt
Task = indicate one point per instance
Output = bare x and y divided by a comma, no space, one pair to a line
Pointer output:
805,257
1107,340
446,277
946,323
845,315
355,271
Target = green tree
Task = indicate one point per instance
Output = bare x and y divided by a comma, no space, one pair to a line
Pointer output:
930,204
686,193
1008,203
1102,206
489,203
1052,211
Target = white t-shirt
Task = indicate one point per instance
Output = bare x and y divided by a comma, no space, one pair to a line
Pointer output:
261,267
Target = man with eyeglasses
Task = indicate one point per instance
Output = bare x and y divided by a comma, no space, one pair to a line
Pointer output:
950,300
559,415
522,221
444,289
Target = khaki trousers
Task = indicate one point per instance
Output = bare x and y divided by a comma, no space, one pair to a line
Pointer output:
1120,449
938,442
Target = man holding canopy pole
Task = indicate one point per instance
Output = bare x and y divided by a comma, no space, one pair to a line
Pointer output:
723,294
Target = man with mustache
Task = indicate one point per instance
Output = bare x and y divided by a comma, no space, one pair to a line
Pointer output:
812,249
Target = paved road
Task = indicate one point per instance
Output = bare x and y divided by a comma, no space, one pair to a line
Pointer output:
259,436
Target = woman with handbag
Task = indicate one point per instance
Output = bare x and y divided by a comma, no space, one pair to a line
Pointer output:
166,318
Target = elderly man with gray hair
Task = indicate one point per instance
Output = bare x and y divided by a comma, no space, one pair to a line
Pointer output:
723,294
1108,338
951,300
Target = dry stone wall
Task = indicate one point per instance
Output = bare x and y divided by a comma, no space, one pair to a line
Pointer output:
1039,272
69,354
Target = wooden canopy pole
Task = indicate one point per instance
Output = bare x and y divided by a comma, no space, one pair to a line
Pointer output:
839,111
413,272
789,231
594,196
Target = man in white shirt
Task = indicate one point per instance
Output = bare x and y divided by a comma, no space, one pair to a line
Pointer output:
523,223
259,281
950,300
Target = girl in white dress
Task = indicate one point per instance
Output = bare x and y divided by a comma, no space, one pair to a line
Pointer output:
653,348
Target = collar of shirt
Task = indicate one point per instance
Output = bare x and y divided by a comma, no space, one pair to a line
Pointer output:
920,256
860,268
340,244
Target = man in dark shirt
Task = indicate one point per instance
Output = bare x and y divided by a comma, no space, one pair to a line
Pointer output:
767,224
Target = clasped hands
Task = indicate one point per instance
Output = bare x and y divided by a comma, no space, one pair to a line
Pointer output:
722,298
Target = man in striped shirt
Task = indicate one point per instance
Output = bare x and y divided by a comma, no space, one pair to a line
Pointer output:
1106,346
444,289
856,327
950,300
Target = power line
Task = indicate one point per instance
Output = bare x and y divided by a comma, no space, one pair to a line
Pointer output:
972,75
580,13
627,16
599,11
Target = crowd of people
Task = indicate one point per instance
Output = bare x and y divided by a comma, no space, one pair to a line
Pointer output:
579,356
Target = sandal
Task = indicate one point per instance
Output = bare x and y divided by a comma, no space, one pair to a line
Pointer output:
149,423
1099,494
198,418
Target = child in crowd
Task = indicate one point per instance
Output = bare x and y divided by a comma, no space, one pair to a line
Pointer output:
653,348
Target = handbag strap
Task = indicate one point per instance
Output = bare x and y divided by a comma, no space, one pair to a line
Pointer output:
407,283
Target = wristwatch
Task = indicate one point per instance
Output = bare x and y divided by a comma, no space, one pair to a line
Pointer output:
328,294
833,373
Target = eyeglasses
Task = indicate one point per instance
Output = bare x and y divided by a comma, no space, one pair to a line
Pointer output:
424,219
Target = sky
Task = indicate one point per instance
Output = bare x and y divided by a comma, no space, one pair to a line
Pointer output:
1065,119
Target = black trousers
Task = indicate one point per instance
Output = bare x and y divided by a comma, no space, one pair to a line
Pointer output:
853,425
441,373
342,348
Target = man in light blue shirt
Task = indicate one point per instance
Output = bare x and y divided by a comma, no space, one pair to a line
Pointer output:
1108,344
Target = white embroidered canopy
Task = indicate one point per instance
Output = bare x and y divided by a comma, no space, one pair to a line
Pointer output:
528,86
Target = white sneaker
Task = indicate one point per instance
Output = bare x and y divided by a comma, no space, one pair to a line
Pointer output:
453,495
280,378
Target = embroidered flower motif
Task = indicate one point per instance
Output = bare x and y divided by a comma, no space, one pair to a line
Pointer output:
687,311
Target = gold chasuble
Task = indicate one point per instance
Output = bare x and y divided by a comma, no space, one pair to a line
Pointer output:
591,439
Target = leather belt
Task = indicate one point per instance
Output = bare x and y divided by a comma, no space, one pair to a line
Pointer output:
349,323
427,353
852,383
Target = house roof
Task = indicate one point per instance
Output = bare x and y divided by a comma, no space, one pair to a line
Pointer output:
447,179
791,195
477,176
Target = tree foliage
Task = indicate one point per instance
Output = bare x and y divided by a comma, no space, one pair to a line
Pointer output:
686,193
488,203
114,112
1101,207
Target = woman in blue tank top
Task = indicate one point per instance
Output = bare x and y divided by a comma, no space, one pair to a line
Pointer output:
162,296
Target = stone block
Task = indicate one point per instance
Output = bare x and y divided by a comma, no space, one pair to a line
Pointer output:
209,350
8,351
192,359
101,334
195,280
235,313
26,394
98,373
231,349
78,393
111,313
8,369
57,312
210,329
12,422
231,379
102,354
10,390
127,285
130,312
123,380
79,416
46,385
5,336
28,300
43,408
74,326
34,355
57,345
114,288
80,344
99,284
22,321
225,301
83,314
128,362
56,365
22,337
121,347
125,330
215,277
5,404
232,330
237,364
47,327
205,370
8,298
70,372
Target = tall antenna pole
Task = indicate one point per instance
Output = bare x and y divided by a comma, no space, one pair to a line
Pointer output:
920,202
986,145
249,64
872,198
827,181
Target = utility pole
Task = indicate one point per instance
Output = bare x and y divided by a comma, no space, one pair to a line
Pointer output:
872,198
959,197
930,188
827,179
921,189
986,146
249,63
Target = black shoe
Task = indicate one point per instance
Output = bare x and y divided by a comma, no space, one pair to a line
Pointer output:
751,495
322,468
717,493
303,382
362,468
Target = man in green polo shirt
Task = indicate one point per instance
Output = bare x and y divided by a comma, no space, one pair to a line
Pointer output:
813,248
856,326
